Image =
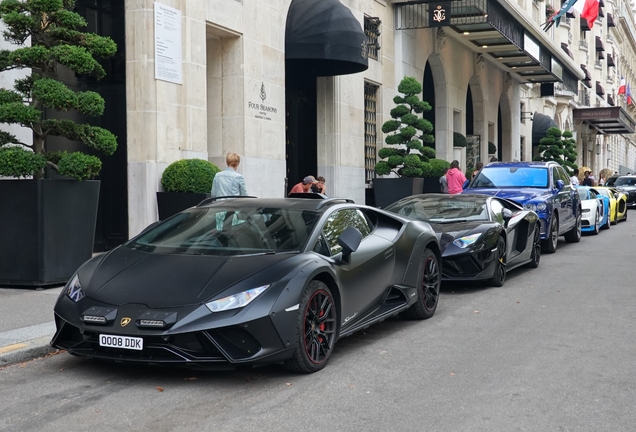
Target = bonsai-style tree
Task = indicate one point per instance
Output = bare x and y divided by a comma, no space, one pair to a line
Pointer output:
56,38
189,176
559,147
408,134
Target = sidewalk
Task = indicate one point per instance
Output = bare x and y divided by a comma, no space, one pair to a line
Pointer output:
26,323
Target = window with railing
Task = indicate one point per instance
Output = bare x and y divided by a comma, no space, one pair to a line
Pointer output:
370,130
372,31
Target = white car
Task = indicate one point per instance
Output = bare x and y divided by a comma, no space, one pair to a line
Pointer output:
593,211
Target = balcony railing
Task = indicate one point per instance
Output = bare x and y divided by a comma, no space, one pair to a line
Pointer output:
584,97
583,45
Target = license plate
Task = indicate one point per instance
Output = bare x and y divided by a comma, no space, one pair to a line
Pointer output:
124,342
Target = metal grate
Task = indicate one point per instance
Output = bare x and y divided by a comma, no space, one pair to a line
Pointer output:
372,31
370,130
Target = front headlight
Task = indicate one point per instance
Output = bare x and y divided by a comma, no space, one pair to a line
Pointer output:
236,300
465,241
541,206
74,290
586,210
530,206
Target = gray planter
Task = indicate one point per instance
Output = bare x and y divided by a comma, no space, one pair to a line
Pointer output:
48,229
389,190
171,203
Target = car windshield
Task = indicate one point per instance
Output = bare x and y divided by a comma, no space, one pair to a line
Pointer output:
502,177
610,181
582,194
454,208
625,181
604,192
229,231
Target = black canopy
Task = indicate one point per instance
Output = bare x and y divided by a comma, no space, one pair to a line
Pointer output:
540,125
324,38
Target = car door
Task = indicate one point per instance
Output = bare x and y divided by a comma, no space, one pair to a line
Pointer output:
366,275
565,199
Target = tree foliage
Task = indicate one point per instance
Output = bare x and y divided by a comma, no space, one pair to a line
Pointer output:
409,136
559,147
57,38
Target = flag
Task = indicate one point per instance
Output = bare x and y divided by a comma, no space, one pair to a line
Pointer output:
589,11
628,95
621,88
556,18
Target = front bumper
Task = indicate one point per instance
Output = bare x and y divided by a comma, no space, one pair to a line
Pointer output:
588,221
199,339
469,266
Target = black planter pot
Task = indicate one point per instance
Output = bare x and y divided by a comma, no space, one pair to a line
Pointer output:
432,185
389,190
171,203
48,229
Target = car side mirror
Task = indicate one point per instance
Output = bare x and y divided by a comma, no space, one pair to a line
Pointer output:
616,195
506,214
560,184
349,240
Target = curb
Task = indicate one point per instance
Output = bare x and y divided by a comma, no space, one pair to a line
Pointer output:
25,351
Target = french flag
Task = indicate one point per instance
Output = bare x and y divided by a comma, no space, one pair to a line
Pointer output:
588,9
621,88
629,95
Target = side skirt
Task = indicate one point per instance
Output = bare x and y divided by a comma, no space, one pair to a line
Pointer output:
398,299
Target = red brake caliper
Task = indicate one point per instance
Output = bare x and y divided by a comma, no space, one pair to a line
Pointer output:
322,325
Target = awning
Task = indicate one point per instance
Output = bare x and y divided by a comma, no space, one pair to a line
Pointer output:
610,100
587,80
540,125
610,20
599,44
610,61
564,47
606,120
324,38
584,26
599,89
501,30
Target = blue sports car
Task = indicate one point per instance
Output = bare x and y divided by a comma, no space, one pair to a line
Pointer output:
543,187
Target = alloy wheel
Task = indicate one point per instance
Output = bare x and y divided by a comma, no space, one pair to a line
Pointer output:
431,283
501,260
320,327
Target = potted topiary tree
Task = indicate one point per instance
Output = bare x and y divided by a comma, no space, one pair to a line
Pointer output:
186,183
559,147
409,138
52,221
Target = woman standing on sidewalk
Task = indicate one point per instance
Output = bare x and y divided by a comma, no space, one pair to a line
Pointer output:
455,178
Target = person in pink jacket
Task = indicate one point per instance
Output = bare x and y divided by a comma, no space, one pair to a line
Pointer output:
455,178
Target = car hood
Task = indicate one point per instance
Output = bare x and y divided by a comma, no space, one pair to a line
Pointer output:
518,195
161,281
446,233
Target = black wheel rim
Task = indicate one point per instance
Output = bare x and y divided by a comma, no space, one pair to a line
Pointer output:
553,235
578,226
501,260
430,283
319,327
537,247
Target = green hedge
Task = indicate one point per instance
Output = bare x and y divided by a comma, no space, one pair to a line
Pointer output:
189,175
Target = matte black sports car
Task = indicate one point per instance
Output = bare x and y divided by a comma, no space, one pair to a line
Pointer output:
481,237
250,281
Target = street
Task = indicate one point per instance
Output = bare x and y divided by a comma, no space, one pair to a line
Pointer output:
554,349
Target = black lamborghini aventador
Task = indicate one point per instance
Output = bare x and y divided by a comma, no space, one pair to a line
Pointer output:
250,281
482,237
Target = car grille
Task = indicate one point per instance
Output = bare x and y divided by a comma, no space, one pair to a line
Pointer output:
196,346
465,266
585,223
544,226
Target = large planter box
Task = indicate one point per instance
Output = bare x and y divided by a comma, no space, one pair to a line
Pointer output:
389,190
171,203
432,185
47,230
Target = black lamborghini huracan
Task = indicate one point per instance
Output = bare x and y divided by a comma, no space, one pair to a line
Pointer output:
250,281
482,237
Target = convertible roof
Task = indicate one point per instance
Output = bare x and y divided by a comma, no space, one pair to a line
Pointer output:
291,203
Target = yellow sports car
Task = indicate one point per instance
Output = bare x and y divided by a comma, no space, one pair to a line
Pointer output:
618,203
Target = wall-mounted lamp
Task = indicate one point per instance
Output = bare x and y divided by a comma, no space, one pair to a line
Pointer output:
526,115
598,149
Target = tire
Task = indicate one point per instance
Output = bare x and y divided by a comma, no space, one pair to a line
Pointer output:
428,284
625,218
500,264
615,221
608,224
314,345
549,245
535,257
597,227
574,235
